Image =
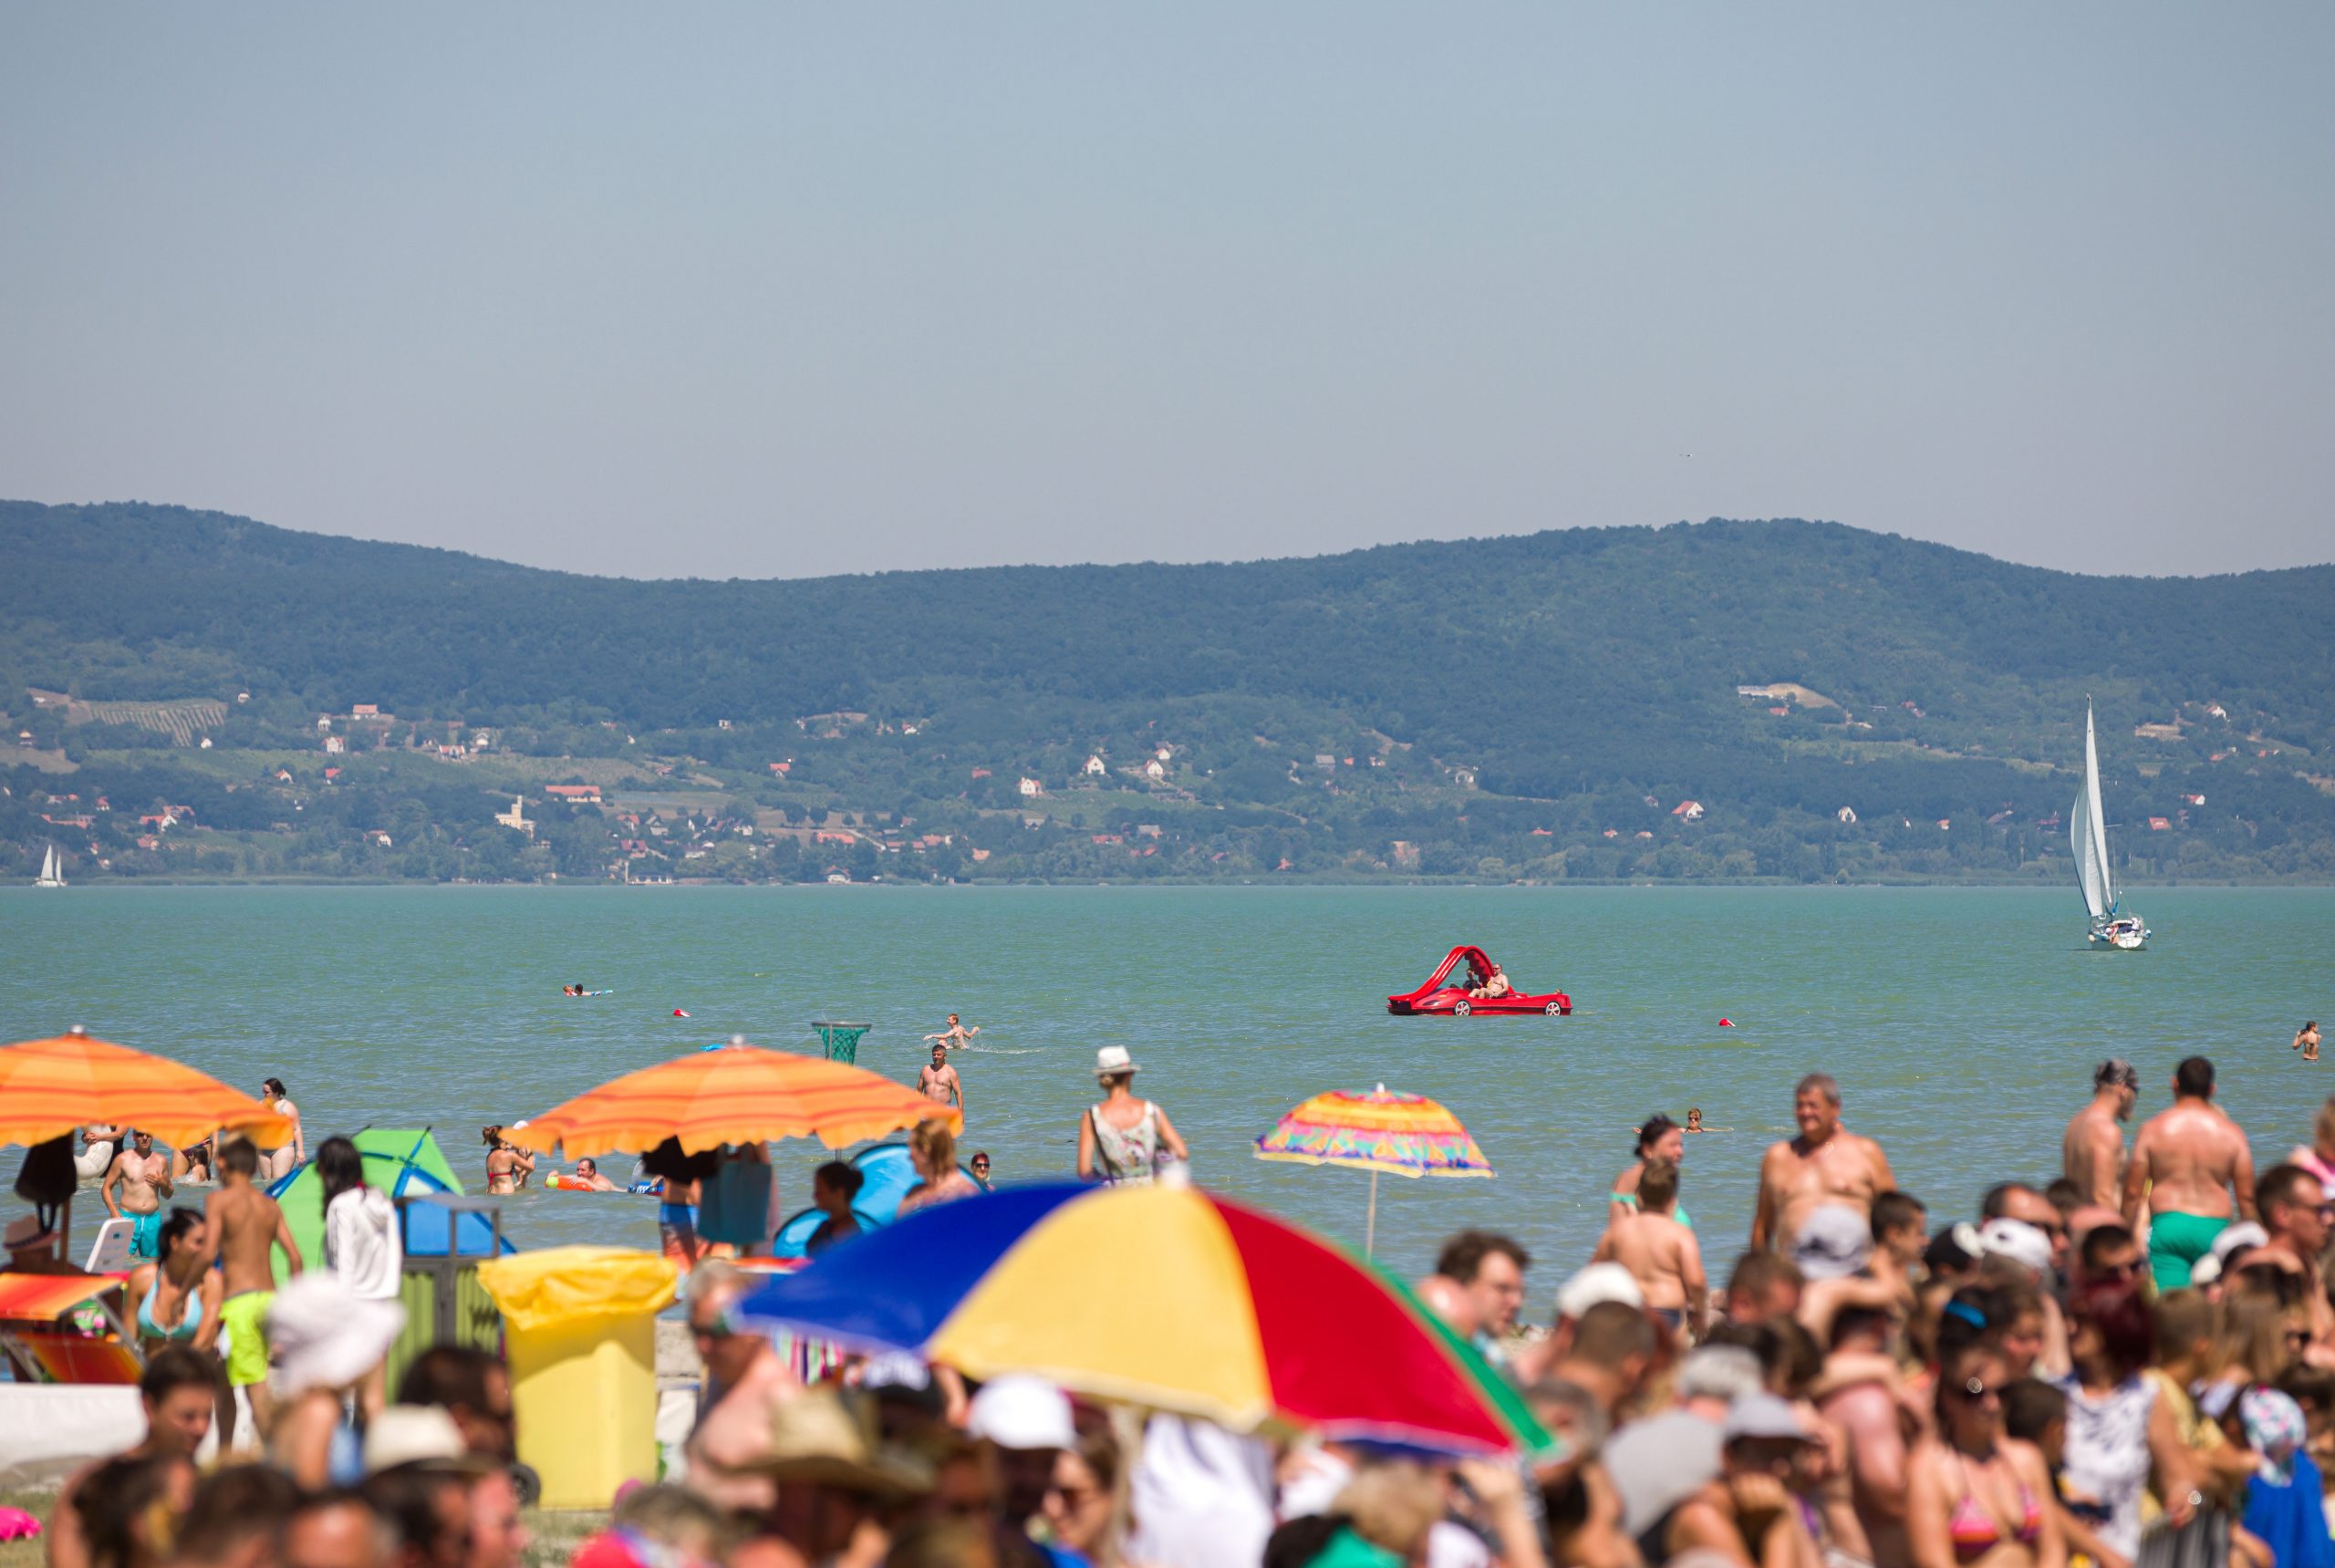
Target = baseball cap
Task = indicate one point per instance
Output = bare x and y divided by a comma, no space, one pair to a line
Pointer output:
1727,1371
2117,1070
2233,1240
1762,1416
2016,1239
1833,1242
1018,1412
1597,1284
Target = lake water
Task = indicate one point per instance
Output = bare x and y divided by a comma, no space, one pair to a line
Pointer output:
1962,1024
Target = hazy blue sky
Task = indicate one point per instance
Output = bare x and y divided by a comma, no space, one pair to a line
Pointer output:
764,290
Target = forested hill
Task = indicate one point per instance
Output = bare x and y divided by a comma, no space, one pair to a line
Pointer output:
1483,689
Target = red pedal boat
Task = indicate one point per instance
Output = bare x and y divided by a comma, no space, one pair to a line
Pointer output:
1442,996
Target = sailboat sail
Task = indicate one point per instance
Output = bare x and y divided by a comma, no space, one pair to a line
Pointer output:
2088,832
52,872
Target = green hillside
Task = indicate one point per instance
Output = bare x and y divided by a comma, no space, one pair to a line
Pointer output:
1496,708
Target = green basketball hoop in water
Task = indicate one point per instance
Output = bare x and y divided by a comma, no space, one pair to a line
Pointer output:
841,1040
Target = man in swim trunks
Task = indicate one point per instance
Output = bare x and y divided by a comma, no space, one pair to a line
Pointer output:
1495,985
2191,1174
144,1178
2091,1152
245,1225
955,1035
939,1082
1826,1165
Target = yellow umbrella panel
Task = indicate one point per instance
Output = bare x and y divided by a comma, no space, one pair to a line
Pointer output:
1382,1131
737,1093
50,1087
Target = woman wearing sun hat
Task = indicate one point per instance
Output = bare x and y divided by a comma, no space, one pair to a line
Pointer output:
327,1339
1120,1140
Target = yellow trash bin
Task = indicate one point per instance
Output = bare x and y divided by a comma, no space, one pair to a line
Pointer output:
582,1337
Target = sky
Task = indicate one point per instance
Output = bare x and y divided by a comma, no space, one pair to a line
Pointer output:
788,290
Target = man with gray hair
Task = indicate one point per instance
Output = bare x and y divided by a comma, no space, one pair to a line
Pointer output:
2091,1152
1659,1462
1826,1165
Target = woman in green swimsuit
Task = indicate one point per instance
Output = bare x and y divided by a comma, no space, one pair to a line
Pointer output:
1660,1138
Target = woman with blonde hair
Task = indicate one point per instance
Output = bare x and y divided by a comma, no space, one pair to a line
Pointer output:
932,1150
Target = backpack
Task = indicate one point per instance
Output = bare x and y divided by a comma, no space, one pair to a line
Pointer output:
49,1180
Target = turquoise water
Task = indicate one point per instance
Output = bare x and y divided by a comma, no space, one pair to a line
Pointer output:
1962,1024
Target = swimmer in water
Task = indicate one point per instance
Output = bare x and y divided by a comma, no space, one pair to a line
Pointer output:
955,1035
588,1178
1693,1119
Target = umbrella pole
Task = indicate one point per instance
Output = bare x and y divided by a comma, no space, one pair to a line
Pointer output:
1370,1228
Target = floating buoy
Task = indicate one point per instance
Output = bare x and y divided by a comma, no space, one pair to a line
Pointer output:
1723,1023
678,1013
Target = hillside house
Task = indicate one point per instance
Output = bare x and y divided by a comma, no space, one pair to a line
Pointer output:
1031,789
332,775
980,773
282,775
783,769
147,841
1612,833
1643,834
366,710
335,746
2160,824
980,854
1109,838
1093,768
1147,830
379,838
574,794
323,721
1688,810
1164,754
2195,799
516,817
2215,711
1847,814
1155,770
721,723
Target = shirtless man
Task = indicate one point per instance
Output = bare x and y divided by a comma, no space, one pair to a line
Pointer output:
1495,985
1661,1254
938,1083
144,1178
2192,1173
2091,1154
281,1162
245,1225
955,1035
1824,1165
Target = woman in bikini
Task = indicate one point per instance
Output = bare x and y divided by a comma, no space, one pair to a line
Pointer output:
178,1293
1975,1498
507,1164
1660,1138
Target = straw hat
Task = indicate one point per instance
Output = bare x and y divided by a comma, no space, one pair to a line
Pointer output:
422,1436
27,1231
325,1335
813,1439
1113,1060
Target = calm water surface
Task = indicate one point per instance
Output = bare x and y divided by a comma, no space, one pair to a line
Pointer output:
1962,1024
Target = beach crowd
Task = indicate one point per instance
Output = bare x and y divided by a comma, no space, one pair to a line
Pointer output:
2128,1363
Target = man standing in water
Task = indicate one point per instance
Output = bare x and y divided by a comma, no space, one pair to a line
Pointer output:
245,1224
2192,1172
938,1083
1824,1165
144,1177
2091,1154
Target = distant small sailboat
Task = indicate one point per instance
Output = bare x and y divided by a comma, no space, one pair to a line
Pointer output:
52,870
2087,830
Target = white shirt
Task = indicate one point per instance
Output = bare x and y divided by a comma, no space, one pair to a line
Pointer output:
361,1242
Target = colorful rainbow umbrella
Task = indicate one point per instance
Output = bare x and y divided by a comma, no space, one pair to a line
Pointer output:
49,1087
737,1093
1163,1297
1382,1131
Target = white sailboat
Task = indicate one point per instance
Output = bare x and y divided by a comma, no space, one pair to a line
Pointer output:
2087,830
52,870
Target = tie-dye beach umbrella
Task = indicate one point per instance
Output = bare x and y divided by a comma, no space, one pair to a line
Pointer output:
1382,1131
1163,1297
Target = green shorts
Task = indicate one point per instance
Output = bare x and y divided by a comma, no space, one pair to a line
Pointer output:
2176,1240
244,1318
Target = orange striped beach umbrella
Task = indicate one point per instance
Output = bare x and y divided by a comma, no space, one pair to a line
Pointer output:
50,1087
733,1094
